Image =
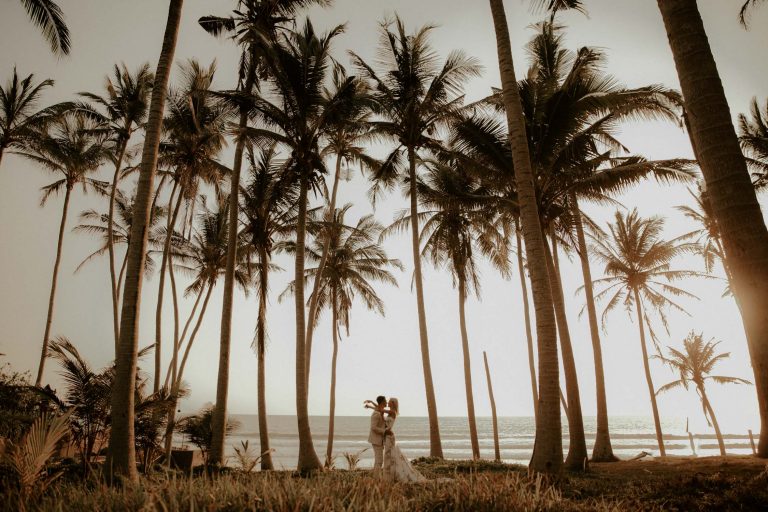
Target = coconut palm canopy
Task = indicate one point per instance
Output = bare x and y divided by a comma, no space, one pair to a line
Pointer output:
602,108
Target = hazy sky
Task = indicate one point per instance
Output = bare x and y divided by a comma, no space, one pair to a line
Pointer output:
382,354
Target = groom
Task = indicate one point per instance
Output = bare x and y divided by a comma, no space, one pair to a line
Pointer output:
377,433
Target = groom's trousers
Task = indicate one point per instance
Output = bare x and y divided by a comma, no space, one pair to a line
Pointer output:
378,457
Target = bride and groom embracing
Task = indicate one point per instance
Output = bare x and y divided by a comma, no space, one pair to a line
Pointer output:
388,458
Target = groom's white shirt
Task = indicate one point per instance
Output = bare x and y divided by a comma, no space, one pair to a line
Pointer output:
376,435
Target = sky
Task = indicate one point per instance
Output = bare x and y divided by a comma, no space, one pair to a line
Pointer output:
381,355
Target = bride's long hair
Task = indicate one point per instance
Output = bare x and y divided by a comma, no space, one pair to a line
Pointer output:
394,405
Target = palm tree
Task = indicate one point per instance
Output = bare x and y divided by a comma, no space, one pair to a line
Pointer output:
47,15
122,451
354,259
414,96
296,114
548,448
637,267
95,223
753,136
344,137
268,205
19,117
195,129
255,25
204,258
71,153
695,364
734,203
455,224
124,108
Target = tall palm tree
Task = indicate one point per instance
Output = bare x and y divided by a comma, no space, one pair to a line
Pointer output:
637,267
121,460
354,260
195,128
753,136
95,223
19,117
414,96
294,113
734,203
124,108
255,26
69,150
454,226
548,448
269,208
203,257
49,18
343,140
695,364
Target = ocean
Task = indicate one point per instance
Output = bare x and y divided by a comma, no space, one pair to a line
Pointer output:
629,435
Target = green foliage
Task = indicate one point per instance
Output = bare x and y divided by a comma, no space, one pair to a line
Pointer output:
19,403
29,458
352,459
199,429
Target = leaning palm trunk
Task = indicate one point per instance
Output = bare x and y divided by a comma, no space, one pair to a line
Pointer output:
435,446
729,186
175,301
548,447
602,450
110,240
323,260
332,410
308,460
651,389
527,313
261,342
468,372
577,446
122,451
219,420
711,414
170,227
54,279
496,450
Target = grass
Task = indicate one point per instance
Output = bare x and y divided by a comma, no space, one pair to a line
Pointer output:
725,484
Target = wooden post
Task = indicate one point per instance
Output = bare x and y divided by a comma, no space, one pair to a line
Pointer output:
497,452
752,442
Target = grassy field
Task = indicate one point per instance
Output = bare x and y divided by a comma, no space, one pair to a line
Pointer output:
733,483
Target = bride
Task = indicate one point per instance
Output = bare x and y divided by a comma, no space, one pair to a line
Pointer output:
396,465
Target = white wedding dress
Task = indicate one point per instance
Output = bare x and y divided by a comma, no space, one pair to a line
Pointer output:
397,467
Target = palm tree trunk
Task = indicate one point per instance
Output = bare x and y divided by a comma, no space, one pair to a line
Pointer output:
651,389
171,372
308,460
577,446
711,413
496,450
120,278
175,301
323,259
219,420
332,410
468,371
734,202
435,446
110,242
175,384
122,453
548,447
602,450
527,313
170,226
54,280
261,348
